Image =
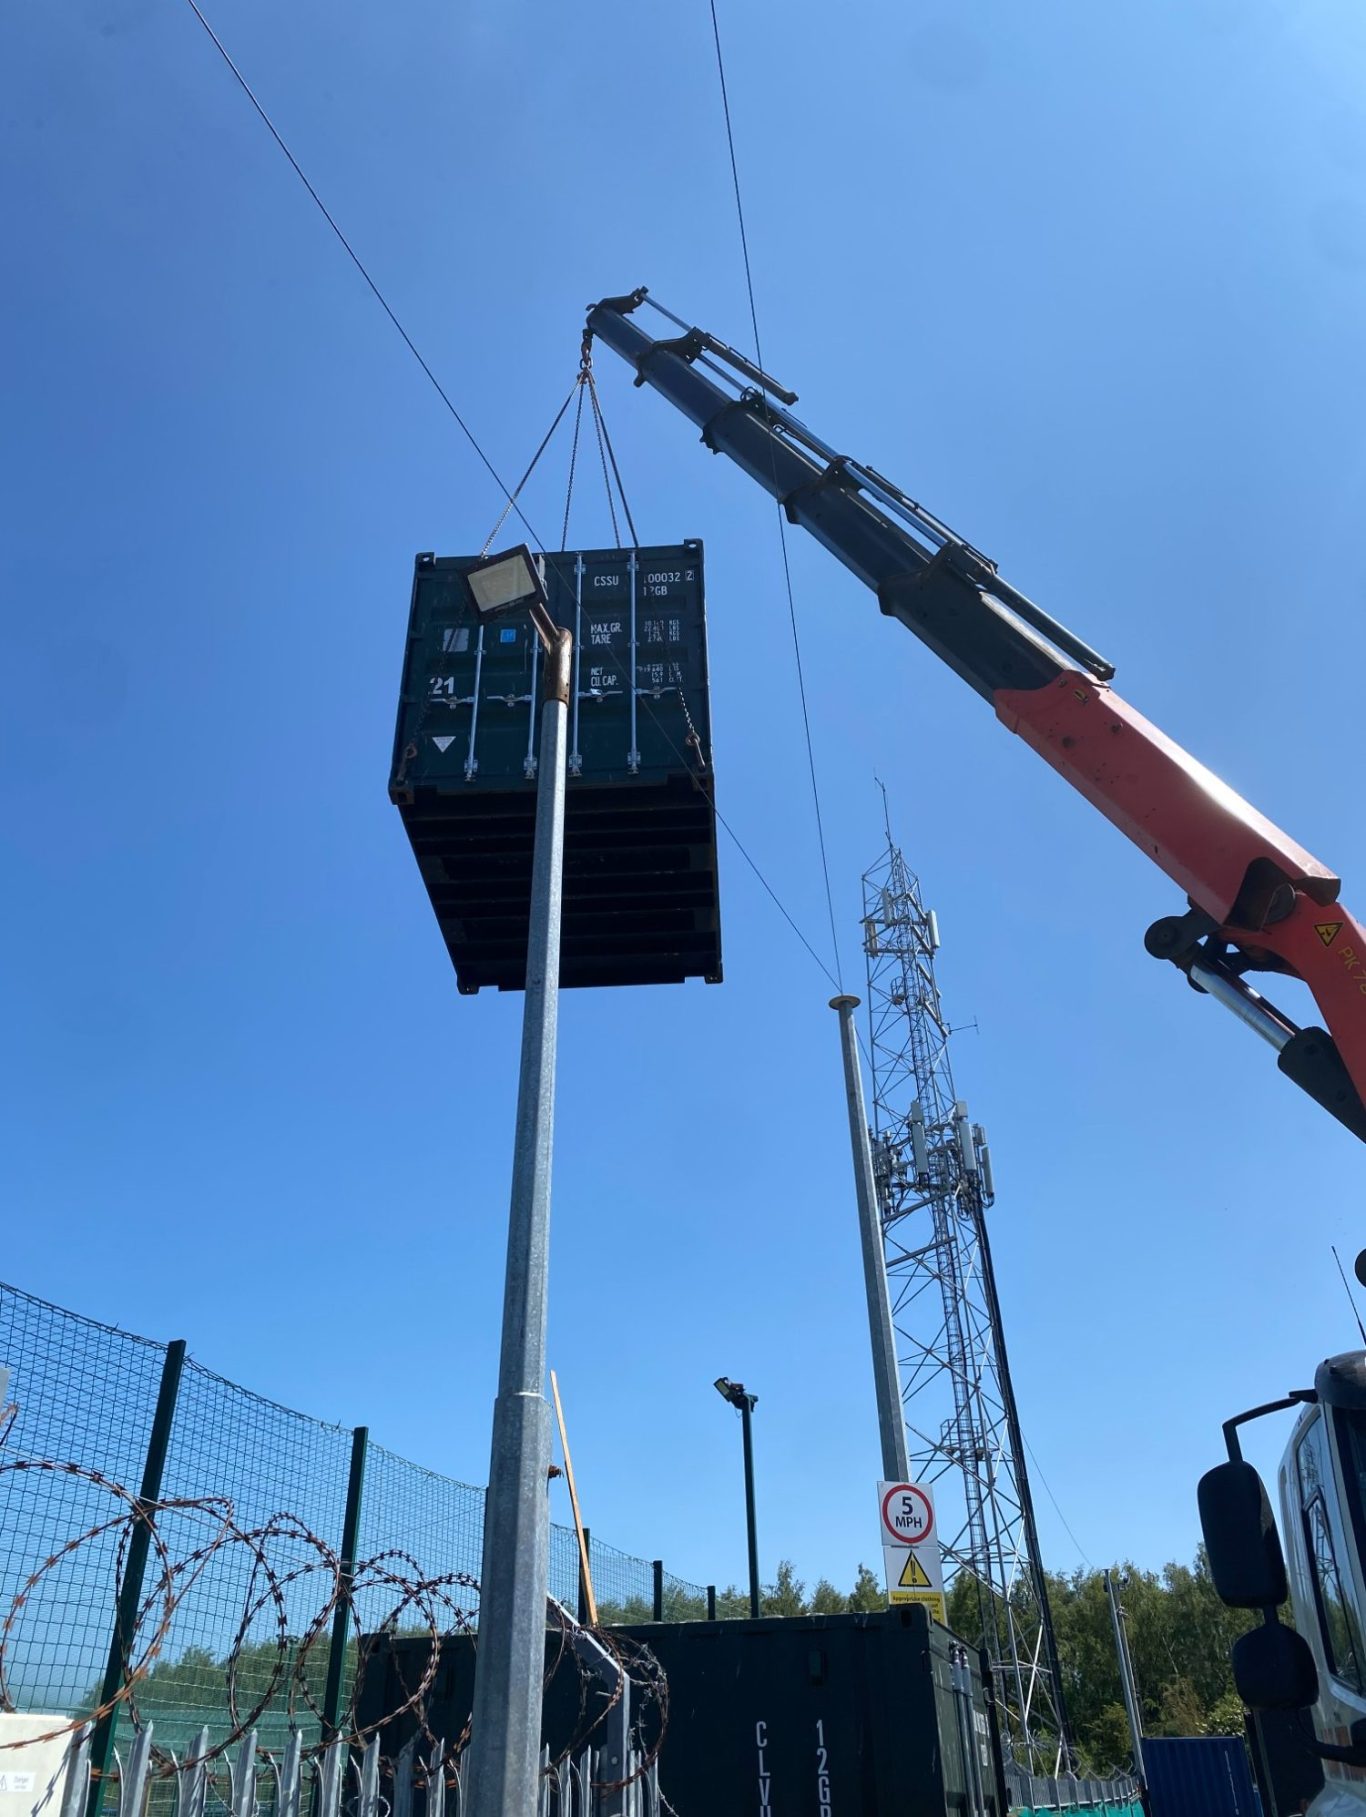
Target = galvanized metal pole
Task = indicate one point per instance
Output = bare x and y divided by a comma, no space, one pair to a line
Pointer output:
1126,1679
505,1736
891,1422
746,1415
336,1658
134,1570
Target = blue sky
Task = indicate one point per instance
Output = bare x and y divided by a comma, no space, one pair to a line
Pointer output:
1089,281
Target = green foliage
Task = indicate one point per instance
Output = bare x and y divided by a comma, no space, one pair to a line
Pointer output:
868,1592
827,1600
786,1595
1179,1638
732,1604
1106,1747
182,1693
630,1613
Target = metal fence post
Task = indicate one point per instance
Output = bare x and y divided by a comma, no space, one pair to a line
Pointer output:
711,1602
583,1581
135,1569
336,1657
658,1568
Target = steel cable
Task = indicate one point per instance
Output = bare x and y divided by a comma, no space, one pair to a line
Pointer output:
359,263
465,429
573,463
782,527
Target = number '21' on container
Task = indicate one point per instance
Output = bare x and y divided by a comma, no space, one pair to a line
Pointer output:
640,898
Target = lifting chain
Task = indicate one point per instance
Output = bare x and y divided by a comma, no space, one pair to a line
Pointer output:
583,382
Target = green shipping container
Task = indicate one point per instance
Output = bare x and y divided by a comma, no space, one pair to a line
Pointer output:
869,1715
640,886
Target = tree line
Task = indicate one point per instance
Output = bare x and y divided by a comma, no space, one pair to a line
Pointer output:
1179,1639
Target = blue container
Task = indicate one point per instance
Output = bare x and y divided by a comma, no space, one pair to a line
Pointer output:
1206,1776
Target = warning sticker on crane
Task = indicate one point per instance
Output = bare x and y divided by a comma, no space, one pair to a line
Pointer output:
1328,931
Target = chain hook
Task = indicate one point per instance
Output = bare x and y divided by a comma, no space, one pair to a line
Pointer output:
586,357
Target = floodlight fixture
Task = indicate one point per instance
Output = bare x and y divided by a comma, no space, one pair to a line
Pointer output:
734,1392
513,581
505,582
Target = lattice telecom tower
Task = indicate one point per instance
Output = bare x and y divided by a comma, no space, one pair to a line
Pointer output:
934,1182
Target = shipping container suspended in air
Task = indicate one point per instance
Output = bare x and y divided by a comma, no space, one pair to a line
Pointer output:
640,876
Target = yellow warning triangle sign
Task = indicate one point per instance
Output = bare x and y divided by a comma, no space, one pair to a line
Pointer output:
914,1575
1328,931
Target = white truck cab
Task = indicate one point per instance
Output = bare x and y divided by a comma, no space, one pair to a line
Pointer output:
1304,1686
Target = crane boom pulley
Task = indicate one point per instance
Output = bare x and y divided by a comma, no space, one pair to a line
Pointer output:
1258,902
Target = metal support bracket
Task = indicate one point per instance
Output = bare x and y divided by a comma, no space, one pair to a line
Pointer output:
615,1754
693,343
751,402
834,474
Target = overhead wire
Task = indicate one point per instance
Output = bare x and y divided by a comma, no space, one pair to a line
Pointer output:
782,527
358,262
623,656
472,439
1038,1467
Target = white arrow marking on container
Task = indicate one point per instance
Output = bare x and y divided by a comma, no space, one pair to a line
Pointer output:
443,744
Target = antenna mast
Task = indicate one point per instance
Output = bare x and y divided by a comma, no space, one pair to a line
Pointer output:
934,1181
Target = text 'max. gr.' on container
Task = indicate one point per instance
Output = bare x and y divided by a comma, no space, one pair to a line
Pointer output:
640,902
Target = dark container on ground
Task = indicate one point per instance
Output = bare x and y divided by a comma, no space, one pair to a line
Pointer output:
805,1716
1203,1776
640,899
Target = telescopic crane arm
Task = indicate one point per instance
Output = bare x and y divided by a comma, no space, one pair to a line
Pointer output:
1258,902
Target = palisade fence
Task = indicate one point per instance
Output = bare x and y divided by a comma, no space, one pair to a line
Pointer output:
275,1540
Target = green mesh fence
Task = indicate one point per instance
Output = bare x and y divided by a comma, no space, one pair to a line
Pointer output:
265,1460
85,1392
623,1585
683,1601
241,1585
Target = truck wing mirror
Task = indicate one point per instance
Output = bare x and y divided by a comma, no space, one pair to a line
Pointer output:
1274,1669
1245,1557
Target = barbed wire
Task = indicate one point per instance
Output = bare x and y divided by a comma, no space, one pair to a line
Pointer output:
279,1674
